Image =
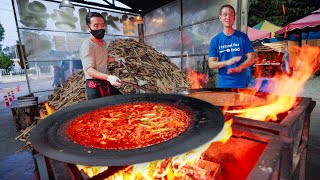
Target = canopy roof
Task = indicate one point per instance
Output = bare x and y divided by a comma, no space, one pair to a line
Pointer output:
311,20
137,6
255,34
277,46
267,26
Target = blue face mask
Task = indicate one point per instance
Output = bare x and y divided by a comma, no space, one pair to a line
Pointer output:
99,33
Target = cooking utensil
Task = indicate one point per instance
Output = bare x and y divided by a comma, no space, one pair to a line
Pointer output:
49,137
130,73
137,86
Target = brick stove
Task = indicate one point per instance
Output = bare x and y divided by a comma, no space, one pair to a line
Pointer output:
291,126
294,126
256,157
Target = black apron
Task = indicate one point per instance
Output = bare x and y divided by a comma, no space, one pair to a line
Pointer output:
96,88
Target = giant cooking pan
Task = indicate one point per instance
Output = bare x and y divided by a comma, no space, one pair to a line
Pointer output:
49,137
228,97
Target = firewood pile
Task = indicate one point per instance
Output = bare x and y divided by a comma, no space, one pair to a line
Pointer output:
145,66
68,93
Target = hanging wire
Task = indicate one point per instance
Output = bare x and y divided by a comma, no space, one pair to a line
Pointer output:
283,9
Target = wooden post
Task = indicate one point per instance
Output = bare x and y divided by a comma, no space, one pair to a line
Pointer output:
24,114
141,33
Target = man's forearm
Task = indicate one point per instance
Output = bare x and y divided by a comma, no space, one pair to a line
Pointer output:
250,61
96,74
216,65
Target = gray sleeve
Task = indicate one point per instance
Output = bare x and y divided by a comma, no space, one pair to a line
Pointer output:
87,56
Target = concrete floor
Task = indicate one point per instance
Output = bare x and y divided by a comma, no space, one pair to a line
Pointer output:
312,89
9,145
8,133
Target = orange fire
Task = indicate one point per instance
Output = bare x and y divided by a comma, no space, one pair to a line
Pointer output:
196,79
164,169
285,88
92,170
49,110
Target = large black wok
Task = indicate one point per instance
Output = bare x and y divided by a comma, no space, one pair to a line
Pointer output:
228,98
49,137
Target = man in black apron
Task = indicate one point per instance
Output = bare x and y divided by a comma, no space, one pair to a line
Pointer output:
95,58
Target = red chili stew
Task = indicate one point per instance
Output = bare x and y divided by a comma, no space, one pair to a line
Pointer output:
128,126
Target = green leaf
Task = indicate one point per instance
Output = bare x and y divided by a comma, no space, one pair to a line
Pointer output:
159,109
145,120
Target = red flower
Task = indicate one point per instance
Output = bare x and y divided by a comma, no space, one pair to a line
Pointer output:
92,84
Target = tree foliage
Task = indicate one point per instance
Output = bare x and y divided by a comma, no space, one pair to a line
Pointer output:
1,34
272,10
5,61
7,51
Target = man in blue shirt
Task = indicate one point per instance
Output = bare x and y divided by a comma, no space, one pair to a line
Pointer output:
231,52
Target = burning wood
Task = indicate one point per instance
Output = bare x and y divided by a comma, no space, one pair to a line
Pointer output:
202,170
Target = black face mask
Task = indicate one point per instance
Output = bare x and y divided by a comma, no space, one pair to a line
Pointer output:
98,33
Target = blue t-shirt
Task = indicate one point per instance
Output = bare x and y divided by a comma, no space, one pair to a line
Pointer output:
226,47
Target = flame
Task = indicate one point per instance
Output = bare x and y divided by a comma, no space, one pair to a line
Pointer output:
49,110
168,168
92,170
285,88
196,79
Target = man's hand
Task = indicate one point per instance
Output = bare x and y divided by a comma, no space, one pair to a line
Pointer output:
120,59
234,70
114,80
233,60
